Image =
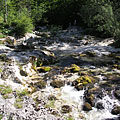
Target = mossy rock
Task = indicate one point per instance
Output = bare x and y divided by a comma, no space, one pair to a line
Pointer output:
74,68
82,81
41,84
57,83
3,57
85,79
44,69
79,87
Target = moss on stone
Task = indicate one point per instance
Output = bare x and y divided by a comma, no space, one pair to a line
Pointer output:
74,68
44,69
85,79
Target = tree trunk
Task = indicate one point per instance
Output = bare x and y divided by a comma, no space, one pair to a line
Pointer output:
6,14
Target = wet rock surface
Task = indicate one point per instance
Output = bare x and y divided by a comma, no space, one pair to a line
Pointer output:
65,74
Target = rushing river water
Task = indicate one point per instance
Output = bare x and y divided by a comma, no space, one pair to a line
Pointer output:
94,58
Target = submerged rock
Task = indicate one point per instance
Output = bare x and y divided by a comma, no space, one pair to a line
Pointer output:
99,105
66,109
116,110
117,94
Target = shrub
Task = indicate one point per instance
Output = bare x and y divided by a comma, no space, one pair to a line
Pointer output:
22,25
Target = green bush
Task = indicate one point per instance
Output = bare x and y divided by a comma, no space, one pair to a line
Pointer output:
22,25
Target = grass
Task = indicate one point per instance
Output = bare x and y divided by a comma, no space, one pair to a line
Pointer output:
18,105
50,104
1,116
70,118
5,91
1,70
22,93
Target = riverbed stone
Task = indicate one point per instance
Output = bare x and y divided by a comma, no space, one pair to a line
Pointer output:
74,68
66,109
90,98
41,84
87,106
99,105
57,83
116,110
117,94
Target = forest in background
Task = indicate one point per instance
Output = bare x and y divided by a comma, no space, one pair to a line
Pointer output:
98,17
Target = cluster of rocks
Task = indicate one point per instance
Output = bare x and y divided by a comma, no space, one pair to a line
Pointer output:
34,64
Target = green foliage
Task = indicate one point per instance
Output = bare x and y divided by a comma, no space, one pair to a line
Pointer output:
21,25
1,116
22,93
18,105
101,16
50,104
5,91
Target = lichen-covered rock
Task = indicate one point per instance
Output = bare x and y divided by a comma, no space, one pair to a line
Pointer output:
44,69
66,109
57,83
116,110
87,106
